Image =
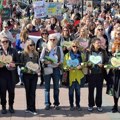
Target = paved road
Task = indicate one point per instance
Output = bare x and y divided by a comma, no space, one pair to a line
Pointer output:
64,112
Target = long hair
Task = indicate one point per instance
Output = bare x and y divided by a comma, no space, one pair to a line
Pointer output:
93,41
24,35
26,49
116,45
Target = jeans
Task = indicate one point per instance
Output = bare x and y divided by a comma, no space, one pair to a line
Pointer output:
56,77
75,86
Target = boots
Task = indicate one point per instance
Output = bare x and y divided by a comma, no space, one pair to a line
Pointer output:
115,109
11,110
3,111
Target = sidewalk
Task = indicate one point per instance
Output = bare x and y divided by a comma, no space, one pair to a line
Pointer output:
64,112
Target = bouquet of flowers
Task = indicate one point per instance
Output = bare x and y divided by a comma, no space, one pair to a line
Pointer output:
47,58
114,63
5,59
30,68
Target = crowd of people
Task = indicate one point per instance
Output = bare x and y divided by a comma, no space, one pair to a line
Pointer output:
72,52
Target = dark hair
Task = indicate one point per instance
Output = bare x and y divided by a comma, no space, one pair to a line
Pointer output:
44,31
95,39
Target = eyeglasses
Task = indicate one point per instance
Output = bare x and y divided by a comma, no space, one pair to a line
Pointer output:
52,39
100,29
75,46
6,41
32,45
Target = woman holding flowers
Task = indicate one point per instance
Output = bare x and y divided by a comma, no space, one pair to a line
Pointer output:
29,59
52,58
8,73
116,74
72,63
96,56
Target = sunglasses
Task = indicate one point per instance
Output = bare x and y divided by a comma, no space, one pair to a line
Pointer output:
6,27
4,41
65,30
100,29
118,33
52,39
44,33
32,45
75,46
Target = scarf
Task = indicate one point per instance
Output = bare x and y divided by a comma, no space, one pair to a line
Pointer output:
76,56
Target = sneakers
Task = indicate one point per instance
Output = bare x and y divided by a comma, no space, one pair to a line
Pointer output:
90,109
47,107
11,110
32,112
99,109
4,111
27,110
71,108
114,109
57,107
78,108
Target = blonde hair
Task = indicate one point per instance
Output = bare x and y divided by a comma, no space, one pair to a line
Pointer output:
76,43
86,32
34,22
26,49
96,29
24,35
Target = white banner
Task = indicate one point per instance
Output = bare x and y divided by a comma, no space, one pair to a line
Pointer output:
39,9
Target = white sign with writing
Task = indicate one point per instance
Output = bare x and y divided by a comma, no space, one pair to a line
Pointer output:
39,9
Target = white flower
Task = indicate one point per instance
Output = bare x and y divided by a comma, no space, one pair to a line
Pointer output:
82,64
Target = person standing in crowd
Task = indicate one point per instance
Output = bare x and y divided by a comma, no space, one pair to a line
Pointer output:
30,78
95,75
75,74
8,74
84,38
65,36
20,44
6,32
52,69
53,25
39,45
116,75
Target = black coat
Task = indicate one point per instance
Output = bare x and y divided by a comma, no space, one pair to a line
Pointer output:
14,73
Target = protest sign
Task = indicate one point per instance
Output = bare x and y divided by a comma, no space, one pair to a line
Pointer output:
53,8
39,9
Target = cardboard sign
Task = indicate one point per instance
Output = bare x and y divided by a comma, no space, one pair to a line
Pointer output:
53,8
95,59
73,63
32,66
115,61
39,9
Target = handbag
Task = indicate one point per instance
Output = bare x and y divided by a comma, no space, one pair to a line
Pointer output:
48,70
